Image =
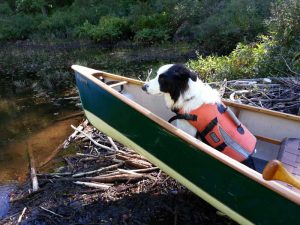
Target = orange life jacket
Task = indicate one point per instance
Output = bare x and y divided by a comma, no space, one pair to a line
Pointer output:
217,128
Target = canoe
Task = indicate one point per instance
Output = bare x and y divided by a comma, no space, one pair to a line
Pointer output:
117,106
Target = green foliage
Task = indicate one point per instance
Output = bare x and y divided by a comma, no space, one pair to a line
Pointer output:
244,61
37,6
60,23
230,22
30,6
152,28
18,28
276,54
284,24
151,35
63,22
109,29
5,9
151,21
284,28
217,25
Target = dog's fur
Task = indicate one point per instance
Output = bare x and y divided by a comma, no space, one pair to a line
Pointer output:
182,89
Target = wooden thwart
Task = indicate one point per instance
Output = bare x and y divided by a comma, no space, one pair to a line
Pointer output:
118,84
269,140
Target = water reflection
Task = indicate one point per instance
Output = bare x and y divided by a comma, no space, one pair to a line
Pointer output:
29,122
14,159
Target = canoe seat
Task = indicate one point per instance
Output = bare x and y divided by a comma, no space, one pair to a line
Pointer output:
289,155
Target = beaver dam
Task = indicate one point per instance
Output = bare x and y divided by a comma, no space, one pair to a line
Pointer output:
100,181
107,183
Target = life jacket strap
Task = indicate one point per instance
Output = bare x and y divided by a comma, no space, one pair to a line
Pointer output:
184,116
221,146
209,127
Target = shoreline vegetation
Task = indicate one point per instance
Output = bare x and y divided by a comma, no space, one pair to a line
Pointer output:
46,66
218,39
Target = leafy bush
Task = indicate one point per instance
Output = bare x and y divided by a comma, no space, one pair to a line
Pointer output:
230,22
243,62
109,29
63,22
276,54
284,24
217,25
148,35
152,28
5,9
30,6
18,27
151,21
284,28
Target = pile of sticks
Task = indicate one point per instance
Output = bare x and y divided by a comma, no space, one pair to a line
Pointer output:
280,94
108,161
95,179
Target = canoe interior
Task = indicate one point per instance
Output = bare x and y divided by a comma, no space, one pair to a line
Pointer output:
269,128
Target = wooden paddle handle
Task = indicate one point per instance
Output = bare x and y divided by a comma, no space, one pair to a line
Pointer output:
275,170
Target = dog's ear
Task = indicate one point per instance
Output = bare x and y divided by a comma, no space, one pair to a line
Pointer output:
185,73
192,75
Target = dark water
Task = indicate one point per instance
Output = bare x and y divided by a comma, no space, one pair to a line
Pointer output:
5,190
26,121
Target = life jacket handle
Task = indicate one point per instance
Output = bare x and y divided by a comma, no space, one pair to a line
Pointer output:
223,109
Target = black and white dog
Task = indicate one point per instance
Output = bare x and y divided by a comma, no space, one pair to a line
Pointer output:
182,89
185,94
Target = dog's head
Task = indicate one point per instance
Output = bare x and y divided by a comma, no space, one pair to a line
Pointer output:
172,79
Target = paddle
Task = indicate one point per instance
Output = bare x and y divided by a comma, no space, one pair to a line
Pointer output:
275,170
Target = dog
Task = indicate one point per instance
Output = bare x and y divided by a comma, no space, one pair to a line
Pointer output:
201,113
182,89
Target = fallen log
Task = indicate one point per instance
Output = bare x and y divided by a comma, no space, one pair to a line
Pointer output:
74,134
136,163
21,216
92,140
53,213
98,170
129,175
35,183
113,143
118,177
94,185
70,116
26,196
